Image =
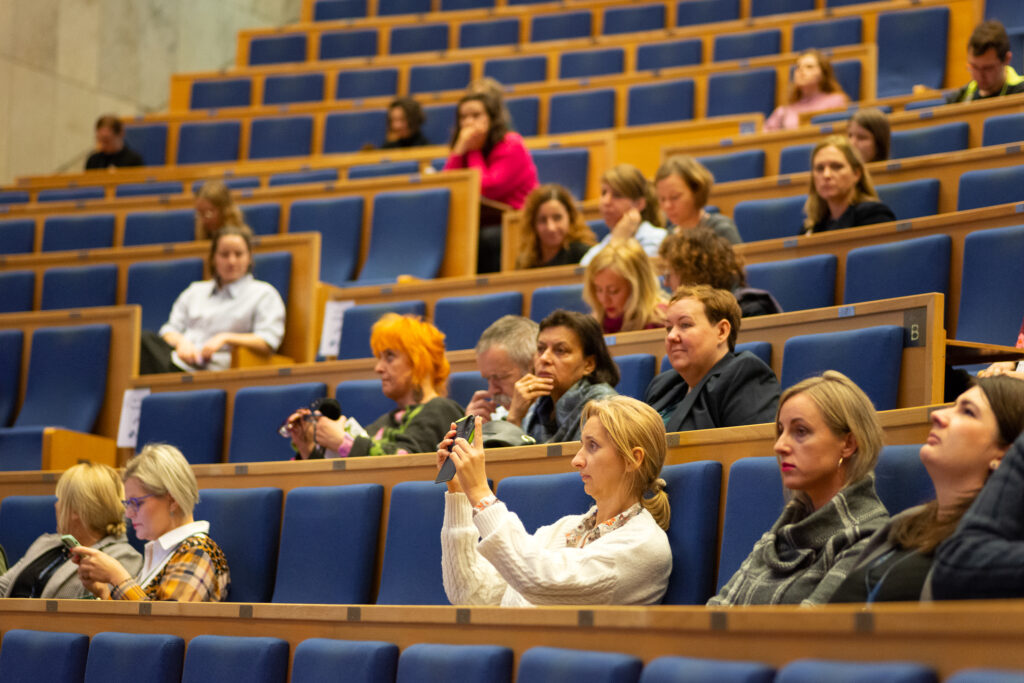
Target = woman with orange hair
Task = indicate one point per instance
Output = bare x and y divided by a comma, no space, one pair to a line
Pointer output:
413,370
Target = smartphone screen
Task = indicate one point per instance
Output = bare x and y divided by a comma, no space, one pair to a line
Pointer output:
69,541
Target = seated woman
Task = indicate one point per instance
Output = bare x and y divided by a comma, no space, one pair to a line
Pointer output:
405,121
868,132
630,209
828,443
413,371
615,554
683,185
182,562
572,366
211,316
622,290
88,508
967,442
554,232
841,193
709,385
700,257
214,209
813,88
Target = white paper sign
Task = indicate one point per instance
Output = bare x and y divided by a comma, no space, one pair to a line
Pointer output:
131,409
330,335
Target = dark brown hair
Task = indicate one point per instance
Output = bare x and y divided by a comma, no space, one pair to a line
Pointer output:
413,112
112,122
591,340
989,35
495,108
874,121
529,246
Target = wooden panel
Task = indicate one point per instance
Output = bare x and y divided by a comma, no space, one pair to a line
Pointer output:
63,448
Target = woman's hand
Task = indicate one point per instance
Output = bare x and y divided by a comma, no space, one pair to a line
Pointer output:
213,345
469,464
301,431
528,389
98,571
1000,368
443,453
187,352
627,225
471,138
330,433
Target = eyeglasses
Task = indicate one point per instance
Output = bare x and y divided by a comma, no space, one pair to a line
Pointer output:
132,504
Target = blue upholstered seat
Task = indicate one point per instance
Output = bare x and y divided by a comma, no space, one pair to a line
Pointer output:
164,416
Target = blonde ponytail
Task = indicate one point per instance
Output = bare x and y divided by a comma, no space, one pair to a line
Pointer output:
657,504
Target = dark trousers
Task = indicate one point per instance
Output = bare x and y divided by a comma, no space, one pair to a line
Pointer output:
155,355
488,255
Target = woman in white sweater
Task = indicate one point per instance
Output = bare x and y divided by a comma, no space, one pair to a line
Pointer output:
617,553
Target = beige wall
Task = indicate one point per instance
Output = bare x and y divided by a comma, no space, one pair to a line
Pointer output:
63,62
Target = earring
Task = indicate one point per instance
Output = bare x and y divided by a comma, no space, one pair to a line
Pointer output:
841,458
993,465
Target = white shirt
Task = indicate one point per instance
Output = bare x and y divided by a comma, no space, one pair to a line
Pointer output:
156,553
649,237
203,310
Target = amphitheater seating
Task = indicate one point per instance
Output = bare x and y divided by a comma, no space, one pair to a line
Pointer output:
412,550
807,670
22,520
126,657
163,418
17,236
18,287
357,321
79,287
42,655
61,233
218,658
558,665
259,410
540,499
463,319
339,221
990,257
159,227
636,372
694,491
798,284
426,237
670,669
362,400
367,661
903,268
469,663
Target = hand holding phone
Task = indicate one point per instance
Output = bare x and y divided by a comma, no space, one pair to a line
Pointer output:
69,541
464,429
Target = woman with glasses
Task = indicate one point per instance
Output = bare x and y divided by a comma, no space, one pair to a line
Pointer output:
89,508
182,562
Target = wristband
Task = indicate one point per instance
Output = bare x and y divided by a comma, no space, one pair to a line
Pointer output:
484,503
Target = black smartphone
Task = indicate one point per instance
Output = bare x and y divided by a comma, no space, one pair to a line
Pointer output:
464,429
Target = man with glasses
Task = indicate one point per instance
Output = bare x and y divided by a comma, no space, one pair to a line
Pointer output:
504,353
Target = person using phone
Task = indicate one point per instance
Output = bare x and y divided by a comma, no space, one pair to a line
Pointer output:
615,553
89,511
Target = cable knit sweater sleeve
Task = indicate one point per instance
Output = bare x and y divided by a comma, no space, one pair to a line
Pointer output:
468,578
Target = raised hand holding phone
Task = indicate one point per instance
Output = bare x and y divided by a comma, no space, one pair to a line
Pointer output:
464,429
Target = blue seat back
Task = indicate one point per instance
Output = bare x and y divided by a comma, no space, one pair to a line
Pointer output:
694,491
988,187
545,300
11,342
424,662
264,219
79,287
753,500
884,271
439,124
429,78
423,38
901,479
154,285
848,74
911,50
149,188
320,175
22,520
259,411
742,165
991,260
348,43
339,221
246,524
796,158
808,670
542,499
326,10
741,92
274,267
488,33
694,670
67,194
352,513
363,661
453,5
13,197
662,102
43,656
690,12
286,89
150,141
586,63
164,416
349,131
200,143
411,568
232,92
363,400
633,19
828,33
360,83
464,318
557,665
760,8
913,142
761,349
562,26
578,111
17,236
746,45
462,386
63,233
277,49
357,322
221,658
798,284
765,219
281,137
19,288
911,198
686,52
985,675
636,370
1003,129
130,657
512,70
426,237
870,356
567,166
159,227
410,167
393,7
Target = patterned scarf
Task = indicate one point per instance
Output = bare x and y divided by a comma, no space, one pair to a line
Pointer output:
589,530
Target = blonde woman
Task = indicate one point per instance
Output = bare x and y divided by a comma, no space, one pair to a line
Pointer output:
182,562
617,553
629,208
622,290
89,508
841,194
214,209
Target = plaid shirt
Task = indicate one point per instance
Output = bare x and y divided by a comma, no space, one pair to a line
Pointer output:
196,572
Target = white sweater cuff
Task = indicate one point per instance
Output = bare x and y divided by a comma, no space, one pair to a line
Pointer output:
490,518
457,510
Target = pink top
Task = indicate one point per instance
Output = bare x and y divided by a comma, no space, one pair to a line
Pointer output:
787,116
507,174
